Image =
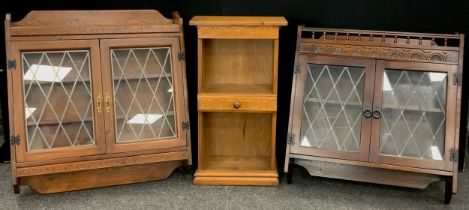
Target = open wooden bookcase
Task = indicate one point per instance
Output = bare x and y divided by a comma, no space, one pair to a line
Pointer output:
237,99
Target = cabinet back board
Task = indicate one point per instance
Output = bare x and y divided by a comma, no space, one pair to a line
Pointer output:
238,62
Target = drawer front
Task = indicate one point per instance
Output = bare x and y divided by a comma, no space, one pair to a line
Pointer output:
237,103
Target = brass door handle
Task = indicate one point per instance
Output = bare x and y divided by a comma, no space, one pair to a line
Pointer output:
99,103
108,103
236,104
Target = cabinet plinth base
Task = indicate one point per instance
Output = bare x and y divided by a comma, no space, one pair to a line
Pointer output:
236,181
79,180
236,178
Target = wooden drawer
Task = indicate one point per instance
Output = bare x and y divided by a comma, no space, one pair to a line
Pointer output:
254,103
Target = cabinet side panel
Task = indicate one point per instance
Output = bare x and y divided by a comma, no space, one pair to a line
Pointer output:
10,102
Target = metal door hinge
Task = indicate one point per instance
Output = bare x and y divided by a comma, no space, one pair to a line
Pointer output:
182,56
186,125
15,140
290,138
297,68
457,79
11,64
454,155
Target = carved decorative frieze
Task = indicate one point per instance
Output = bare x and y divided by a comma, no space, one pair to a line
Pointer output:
382,52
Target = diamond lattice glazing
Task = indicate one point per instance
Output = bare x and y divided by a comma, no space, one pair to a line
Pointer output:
332,107
413,121
58,105
143,94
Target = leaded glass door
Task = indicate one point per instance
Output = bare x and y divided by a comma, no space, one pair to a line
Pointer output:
413,123
143,94
332,108
56,86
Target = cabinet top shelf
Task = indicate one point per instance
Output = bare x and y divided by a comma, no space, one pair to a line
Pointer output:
237,21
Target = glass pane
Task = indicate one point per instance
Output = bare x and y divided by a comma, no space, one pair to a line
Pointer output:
143,94
333,107
57,92
413,121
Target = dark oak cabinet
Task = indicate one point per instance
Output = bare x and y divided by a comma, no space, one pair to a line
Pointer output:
376,106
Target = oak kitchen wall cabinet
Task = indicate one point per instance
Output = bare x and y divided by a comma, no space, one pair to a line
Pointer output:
96,98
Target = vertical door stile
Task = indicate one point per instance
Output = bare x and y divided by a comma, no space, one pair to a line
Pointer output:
376,125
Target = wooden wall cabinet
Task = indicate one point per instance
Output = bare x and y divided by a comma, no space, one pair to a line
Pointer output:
376,106
96,98
237,99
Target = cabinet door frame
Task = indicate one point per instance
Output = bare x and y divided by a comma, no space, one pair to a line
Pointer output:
108,89
22,155
369,67
450,124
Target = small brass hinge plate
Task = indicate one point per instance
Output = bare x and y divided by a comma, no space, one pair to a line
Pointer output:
454,155
11,64
15,140
182,56
186,125
457,79
290,138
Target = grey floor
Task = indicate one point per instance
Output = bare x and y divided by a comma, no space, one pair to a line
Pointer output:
178,192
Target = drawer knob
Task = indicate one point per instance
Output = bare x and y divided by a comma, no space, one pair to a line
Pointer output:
237,104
